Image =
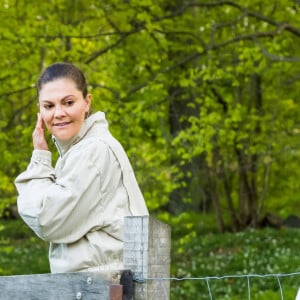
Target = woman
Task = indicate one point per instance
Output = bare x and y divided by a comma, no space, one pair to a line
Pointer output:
79,205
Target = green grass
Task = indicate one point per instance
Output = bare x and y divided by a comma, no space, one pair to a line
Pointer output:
21,252
265,251
261,252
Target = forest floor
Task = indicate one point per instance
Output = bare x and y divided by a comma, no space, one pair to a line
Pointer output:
231,257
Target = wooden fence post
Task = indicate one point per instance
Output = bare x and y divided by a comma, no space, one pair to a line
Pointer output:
147,245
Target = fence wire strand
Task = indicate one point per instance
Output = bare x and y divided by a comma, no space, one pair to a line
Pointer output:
280,287
248,284
222,277
208,287
247,276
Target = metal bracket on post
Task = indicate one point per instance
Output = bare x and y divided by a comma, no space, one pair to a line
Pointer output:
115,292
126,281
124,290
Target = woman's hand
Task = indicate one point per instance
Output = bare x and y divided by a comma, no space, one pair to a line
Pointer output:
38,135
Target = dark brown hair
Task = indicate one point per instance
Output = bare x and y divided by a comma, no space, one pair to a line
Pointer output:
63,70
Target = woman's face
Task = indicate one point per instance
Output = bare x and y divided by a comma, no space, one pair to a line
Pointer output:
63,107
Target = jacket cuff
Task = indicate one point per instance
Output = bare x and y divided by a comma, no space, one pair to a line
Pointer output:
42,156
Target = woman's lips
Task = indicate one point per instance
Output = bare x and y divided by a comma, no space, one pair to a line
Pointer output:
61,124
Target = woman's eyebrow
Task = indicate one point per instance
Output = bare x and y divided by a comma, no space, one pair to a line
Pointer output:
45,101
62,99
67,96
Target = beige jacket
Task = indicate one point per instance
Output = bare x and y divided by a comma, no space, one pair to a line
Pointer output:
79,206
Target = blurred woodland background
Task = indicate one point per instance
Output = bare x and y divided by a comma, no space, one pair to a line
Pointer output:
203,95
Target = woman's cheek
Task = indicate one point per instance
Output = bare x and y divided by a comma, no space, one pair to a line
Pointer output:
46,119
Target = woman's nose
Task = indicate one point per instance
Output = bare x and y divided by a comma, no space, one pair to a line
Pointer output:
59,111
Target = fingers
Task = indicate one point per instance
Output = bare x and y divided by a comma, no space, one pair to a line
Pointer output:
39,122
38,135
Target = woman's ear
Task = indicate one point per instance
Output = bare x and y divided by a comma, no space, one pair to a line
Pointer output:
88,100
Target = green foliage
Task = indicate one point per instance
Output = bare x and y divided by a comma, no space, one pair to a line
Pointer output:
21,252
259,252
202,95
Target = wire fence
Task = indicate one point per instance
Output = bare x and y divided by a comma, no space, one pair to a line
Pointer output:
247,278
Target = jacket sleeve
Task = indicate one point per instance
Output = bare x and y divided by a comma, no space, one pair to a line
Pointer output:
61,209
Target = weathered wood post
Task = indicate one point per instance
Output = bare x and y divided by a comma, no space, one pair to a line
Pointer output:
62,286
147,245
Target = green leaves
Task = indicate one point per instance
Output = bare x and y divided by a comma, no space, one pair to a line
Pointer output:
203,96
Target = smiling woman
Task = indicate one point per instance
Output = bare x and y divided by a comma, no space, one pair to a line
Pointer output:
63,108
79,206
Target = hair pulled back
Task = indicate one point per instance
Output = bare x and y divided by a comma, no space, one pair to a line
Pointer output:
63,70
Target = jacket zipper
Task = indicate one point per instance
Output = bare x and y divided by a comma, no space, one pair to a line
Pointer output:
57,146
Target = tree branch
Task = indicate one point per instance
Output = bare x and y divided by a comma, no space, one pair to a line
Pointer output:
90,37
113,91
5,95
102,51
196,55
283,25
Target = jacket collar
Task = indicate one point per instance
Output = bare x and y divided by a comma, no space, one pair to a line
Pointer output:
96,118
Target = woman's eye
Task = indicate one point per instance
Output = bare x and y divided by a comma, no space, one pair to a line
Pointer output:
69,102
47,106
